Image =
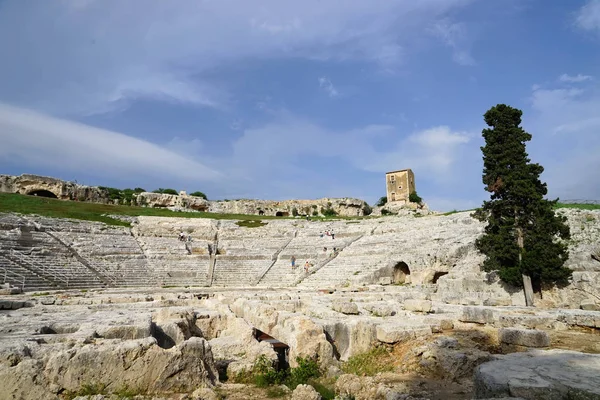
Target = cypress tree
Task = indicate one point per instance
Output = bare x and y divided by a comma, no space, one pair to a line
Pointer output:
520,239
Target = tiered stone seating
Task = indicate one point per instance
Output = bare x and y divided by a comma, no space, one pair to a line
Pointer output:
113,253
242,260
357,258
24,278
45,257
304,248
171,263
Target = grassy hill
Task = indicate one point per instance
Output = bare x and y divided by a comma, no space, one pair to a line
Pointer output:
47,207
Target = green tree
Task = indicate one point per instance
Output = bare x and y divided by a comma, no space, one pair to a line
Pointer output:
520,239
165,191
382,201
199,194
413,197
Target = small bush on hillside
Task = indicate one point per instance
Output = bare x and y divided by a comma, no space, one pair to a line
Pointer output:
315,213
382,201
123,196
199,194
385,212
370,363
263,374
295,212
165,191
413,197
328,212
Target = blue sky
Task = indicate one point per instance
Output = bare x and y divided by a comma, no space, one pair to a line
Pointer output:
281,99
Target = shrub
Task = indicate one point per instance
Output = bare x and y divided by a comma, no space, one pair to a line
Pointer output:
295,212
123,196
328,212
165,191
413,197
385,212
199,194
382,201
307,369
370,363
315,213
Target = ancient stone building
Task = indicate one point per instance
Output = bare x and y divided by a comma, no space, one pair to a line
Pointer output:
399,184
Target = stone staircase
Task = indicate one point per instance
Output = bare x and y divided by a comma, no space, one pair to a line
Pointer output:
171,264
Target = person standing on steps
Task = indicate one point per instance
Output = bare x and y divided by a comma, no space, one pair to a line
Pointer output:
306,266
293,262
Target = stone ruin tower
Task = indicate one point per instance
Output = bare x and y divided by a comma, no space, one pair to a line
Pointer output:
399,184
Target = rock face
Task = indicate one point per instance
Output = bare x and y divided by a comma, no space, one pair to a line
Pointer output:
539,374
180,202
305,392
524,337
50,187
138,365
346,207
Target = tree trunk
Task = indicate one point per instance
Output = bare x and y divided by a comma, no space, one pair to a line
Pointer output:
527,286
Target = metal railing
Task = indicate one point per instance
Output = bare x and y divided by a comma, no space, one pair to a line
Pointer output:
43,269
14,277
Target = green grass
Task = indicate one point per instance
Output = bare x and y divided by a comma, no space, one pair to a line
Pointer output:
579,206
457,211
22,204
370,363
251,223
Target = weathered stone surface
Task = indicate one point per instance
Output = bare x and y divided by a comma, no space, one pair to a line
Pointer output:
361,388
478,315
305,392
590,305
136,364
400,332
31,184
180,201
423,306
204,394
539,374
345,307
524,337
6,304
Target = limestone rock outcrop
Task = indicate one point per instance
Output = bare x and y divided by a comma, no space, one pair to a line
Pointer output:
138,365
180,202
51,187
345,207
539,374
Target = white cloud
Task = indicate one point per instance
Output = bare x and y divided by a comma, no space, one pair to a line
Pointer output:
588,16
433,151
327,86
36,140
574,79
565,126
91,56
454,35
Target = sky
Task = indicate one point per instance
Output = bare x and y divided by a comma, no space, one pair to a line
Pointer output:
283,99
